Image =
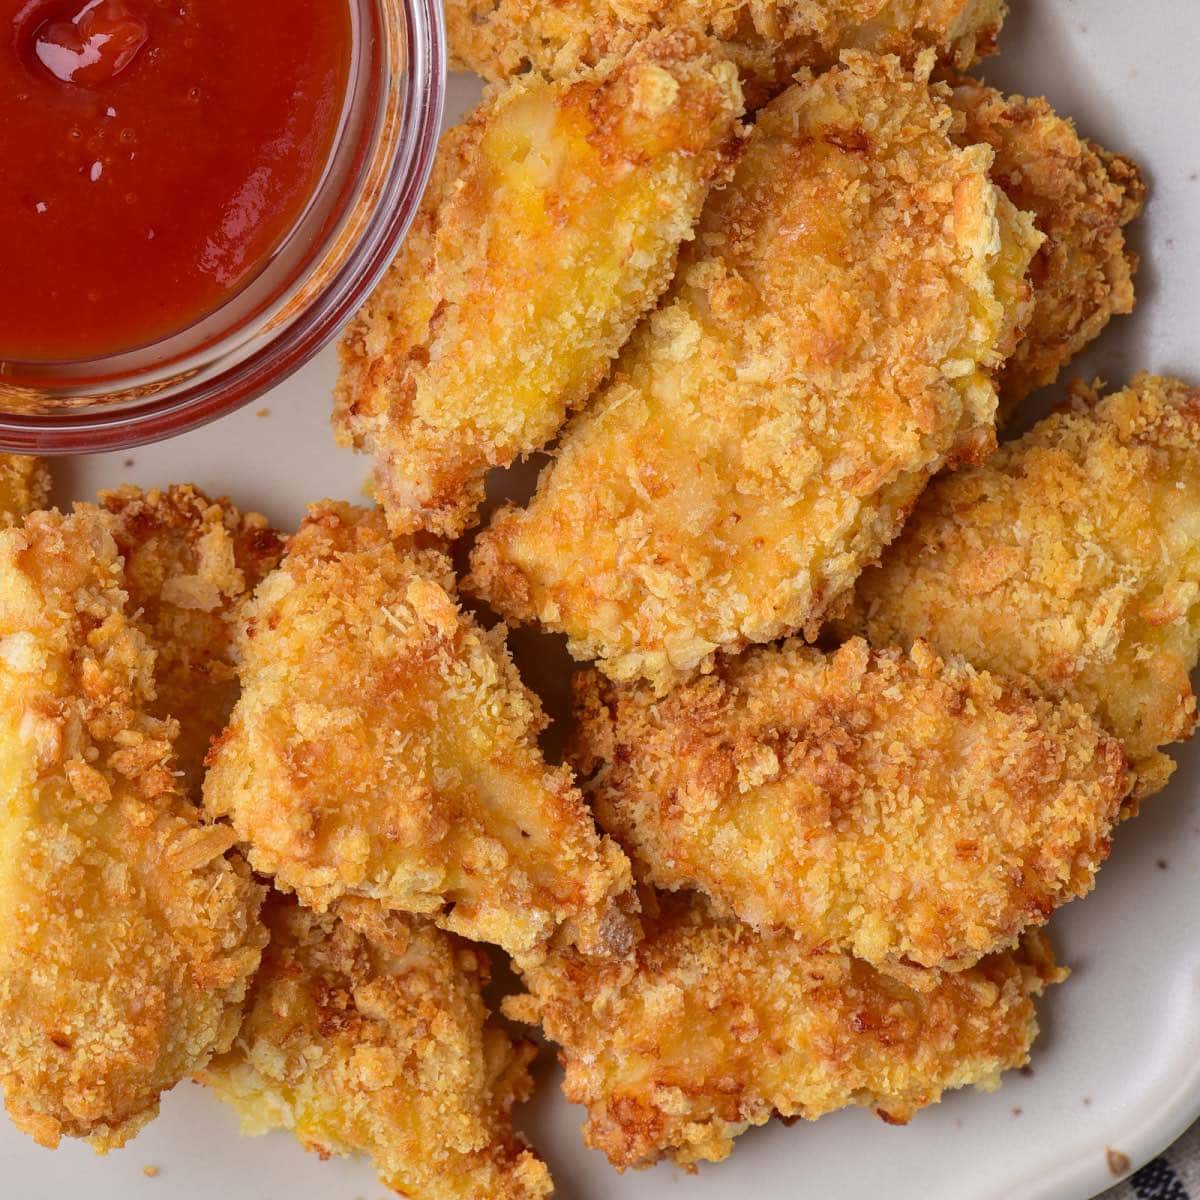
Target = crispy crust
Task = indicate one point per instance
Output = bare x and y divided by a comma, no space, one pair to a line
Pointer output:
129,937
1082,197
24,486
714,1028
551,226
912,812
384,746
828,345
1069,559
190,562
366,1032
769,43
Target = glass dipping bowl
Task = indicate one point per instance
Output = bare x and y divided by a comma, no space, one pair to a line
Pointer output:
315,280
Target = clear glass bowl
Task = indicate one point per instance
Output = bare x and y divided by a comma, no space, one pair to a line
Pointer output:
312,284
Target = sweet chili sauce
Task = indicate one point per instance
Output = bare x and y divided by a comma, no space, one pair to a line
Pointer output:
155,154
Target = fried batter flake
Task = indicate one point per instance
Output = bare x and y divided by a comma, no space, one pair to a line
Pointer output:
366,1031
828,345
1082,197
190,562
915,813
129,937
552,224
714,1028
769,42
1070,559
384,746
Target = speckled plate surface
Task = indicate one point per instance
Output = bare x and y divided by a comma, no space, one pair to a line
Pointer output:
1116,1073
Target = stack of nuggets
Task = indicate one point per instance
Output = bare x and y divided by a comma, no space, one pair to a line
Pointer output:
773,356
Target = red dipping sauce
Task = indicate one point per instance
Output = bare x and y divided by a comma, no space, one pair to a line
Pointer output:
155,154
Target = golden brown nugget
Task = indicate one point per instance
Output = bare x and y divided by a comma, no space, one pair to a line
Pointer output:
1068,560
190,562
384,746
369,1034
24,486
915,813
1082,197
714,1028
828,345
129,937
769,42
552,225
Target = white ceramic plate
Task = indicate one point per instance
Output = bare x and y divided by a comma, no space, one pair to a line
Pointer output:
1118,1064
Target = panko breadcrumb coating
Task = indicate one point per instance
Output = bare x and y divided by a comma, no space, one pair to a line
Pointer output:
189,564
366,1032
914,813
714,1028
384,746
129,938
1070,560
552,224
828,345
1082,197
24,486
769,42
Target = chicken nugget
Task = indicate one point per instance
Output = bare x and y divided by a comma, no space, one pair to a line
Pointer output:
189,564
769,42
1068,560
129,937
24,486
366,1031
828,345
384,746
1082,197
715,1027
914,813
552,224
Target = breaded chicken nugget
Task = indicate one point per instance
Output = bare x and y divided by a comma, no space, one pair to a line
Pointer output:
552,225
912,812
366,1031
828,345
714,1028
189,563
24,486
1069,560
384,746
129,938
1081,197
769,42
